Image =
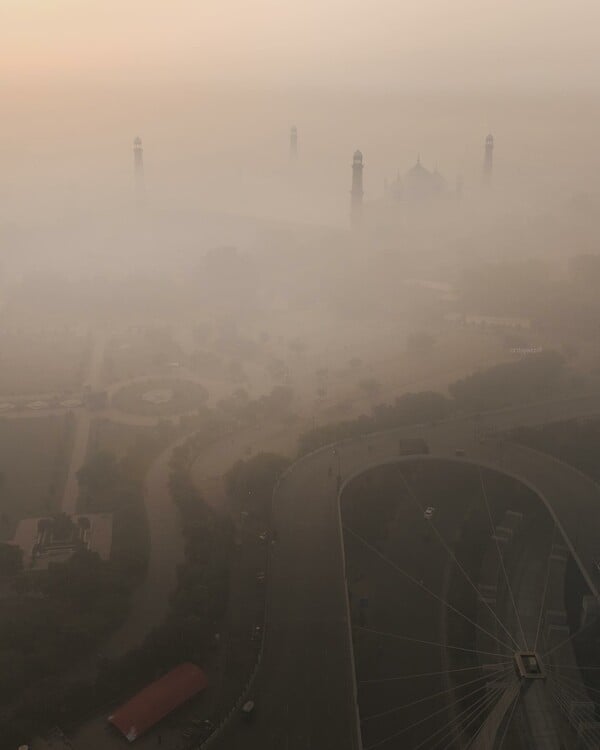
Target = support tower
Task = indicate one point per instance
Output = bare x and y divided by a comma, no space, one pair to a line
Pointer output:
138,166
356,194
488,159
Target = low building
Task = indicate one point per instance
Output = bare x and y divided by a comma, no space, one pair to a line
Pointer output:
55,538
158,699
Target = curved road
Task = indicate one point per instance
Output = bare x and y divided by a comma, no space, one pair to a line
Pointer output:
304,691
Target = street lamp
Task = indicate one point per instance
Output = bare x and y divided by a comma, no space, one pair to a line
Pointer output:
337,454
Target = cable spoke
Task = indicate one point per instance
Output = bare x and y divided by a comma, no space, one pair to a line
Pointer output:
450,727
564,696
559,676
425,588
421,721
577,633
575,686
429,643
493,530
537,632
414,498
489,702
586,735
508,721
378,680
428,698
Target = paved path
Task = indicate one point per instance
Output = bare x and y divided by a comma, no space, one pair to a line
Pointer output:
150,601
83,422
78,455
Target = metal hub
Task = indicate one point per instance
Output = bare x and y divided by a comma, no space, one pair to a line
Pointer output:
529,665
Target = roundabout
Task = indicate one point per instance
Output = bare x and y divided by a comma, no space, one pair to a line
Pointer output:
159,397
305,690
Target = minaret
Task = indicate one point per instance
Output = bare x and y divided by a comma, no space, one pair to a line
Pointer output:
293,143
138,166
356,193
488,159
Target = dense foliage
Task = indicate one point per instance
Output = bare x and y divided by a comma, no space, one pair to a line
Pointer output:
533,378
250,483
410,408
530,379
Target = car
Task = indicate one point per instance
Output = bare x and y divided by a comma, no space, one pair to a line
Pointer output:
205,723
597,564
260,578
257,633
187,734
428,514
460,452
264,536
248,710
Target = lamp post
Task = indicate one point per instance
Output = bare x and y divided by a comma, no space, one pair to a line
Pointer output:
337,454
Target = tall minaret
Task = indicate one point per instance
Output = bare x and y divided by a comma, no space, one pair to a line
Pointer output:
356,194
138,166
293,143
488,159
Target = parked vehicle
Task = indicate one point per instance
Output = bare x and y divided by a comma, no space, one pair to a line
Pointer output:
248,710
428,515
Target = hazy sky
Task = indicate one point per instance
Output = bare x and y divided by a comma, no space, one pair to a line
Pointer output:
404,43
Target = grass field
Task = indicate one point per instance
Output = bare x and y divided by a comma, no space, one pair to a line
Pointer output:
34,455
117,438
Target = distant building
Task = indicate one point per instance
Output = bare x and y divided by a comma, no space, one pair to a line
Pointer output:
55,538
356,194
419,185
489,321
158,699
409,198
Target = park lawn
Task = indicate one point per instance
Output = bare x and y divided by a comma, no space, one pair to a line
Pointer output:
115,437
187,396
34,454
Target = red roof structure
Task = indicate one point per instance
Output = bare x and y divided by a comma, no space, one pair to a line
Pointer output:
158,699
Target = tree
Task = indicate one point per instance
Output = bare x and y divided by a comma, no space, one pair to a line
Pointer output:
250,483
535,377
11,560
370,387
99,474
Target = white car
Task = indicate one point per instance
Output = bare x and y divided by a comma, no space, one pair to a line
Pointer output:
428,515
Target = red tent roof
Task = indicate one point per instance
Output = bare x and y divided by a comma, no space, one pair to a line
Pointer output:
158,699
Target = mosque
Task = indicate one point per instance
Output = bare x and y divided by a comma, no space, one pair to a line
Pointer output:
419,184
418,188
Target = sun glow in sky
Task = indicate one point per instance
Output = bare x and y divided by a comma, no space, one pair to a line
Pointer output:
436,43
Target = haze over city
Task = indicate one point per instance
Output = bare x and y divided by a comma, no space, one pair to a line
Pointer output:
299,375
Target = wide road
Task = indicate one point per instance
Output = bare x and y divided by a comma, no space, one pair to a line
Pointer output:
304,691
